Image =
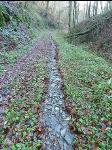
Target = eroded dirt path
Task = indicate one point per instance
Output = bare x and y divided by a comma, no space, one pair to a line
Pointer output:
21,69
11,71
57,135
53,118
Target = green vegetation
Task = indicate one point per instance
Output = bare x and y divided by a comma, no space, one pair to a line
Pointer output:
21,116
10,57
87,85
87,78
19,30
96,32
24,13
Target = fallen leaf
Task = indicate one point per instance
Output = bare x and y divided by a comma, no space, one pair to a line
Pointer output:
72,127
38,130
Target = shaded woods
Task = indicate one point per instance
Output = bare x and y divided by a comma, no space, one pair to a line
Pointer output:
55,75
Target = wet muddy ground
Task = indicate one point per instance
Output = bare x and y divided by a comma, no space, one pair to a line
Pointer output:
53,118
57,135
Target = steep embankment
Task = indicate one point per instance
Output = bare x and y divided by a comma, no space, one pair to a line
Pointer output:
97,32
20,25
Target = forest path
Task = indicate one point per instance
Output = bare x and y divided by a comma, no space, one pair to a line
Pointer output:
57,135
53,118
20,69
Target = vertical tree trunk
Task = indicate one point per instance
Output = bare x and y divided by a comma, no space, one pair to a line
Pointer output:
77,12
47,7
59,18
109,5
69,14
89,10
93,9
96,8
74,13
84,12
101,6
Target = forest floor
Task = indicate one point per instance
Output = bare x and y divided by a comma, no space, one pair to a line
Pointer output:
37,89
32,103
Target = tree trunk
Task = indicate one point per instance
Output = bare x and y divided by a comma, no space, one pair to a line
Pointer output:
77,12
110,5
47,7
74,13
101,6
74,16
96,7
69,14
89,10
59,18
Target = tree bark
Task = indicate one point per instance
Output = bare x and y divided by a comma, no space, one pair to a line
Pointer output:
110,5
47,7
89,10
101,6
69,14
75,13
96,7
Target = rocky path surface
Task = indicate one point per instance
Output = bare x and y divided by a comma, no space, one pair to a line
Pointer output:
54,119
57,135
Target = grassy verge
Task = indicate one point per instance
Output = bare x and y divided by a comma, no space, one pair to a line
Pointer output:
88,95
21,116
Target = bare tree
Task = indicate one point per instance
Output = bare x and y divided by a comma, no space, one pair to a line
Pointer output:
77,13
87,6
101,6
89,10
84,11
69,14
74,13
96,8
109,5
47,7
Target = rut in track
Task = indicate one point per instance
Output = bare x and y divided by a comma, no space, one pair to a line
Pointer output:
20,67
57,135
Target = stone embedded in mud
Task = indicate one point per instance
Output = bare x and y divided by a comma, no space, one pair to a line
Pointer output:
63,132
56,117
1,111
68,118
56,108
1,98
53,85
58,128
8,142
68,138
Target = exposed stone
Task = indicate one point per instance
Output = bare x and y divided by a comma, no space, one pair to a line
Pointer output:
1,111
1,98
58,134
63,132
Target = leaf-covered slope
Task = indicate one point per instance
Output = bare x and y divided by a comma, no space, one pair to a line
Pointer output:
98,31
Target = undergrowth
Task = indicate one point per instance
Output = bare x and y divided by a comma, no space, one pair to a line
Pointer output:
96,31
20,26
10,57
21,116
88,95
